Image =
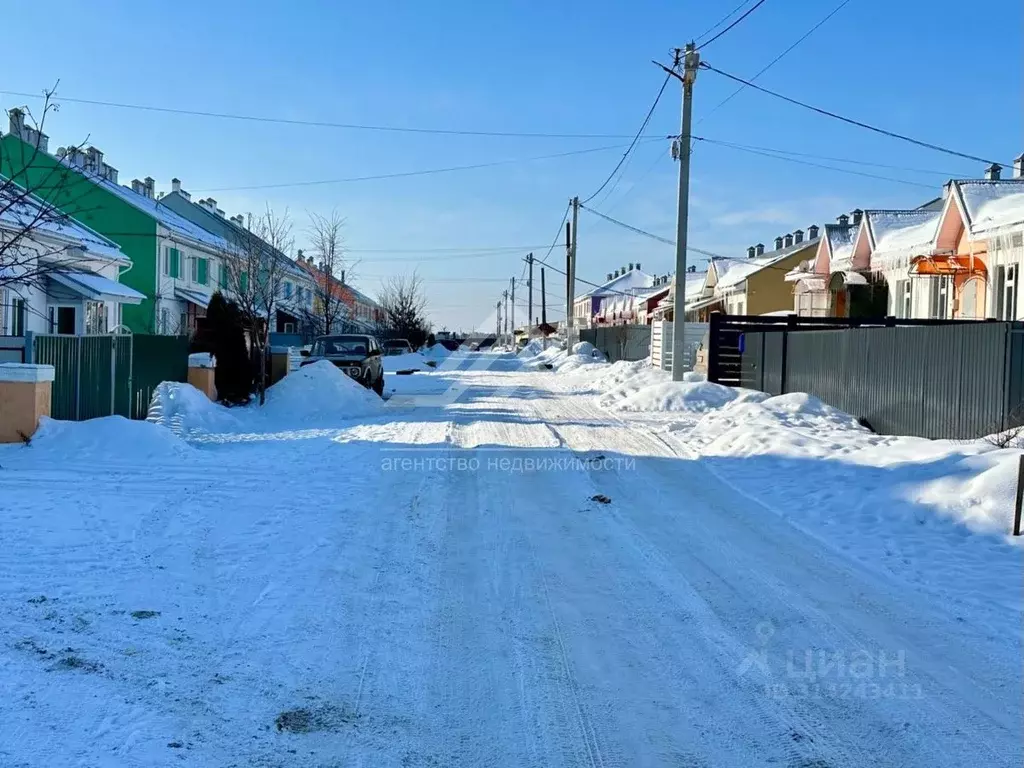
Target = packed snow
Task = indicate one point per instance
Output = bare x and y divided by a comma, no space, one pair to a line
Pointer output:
506,564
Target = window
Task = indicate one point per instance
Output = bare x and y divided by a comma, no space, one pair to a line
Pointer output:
287,289
62,320
970,293
1006,292
243,282
222,278
901,306
200,270
938,297
18,317
289,327
95,317
172,262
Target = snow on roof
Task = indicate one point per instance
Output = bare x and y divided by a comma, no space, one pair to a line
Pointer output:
840,239
695,285
97,285
992,205
632,280
24,213
173,221
739,269
899,230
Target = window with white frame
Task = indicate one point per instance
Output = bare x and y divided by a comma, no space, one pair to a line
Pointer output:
95,317
901,299
287,289
939,292
1005,289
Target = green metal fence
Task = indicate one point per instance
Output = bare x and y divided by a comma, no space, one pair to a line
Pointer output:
107,375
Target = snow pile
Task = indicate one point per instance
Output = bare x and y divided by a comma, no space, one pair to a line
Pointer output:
696,397
107,438
186,411
437,352
410,361
318,393
533,348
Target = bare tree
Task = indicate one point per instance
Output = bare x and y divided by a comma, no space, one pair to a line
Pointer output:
404,304
329,271
255,275
31,224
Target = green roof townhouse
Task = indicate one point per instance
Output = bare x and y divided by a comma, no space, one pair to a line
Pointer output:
173,261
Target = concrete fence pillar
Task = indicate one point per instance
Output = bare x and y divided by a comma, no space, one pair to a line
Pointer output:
25,391
201,374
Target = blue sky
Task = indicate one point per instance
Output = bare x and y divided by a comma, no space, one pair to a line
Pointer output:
941,71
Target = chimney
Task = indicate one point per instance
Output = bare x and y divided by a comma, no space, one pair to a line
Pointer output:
175,185
1018,166
798,236
623,270
993,171
751,252
94,160
631,266
610,277
341,277
17,121
843,220
137,186
778,243
760,249
787,241
110,173
150,185
857,214
638,265
812,232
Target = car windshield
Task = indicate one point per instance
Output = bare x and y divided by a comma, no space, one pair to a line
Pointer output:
397,344
340,345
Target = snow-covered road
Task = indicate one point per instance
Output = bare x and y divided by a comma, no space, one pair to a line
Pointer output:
497,572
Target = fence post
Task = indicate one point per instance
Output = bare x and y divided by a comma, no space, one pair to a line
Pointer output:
714,319
28,355
78,377
1020,497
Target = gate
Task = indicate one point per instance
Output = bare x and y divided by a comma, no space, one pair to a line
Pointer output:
107,375
92,374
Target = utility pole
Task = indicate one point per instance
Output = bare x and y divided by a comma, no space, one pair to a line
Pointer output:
504,316
529,290
497,332
513,323
691,60
543,308
571,292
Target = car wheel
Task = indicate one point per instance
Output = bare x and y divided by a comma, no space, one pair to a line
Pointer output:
378,385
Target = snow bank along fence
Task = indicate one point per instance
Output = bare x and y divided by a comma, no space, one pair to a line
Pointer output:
661,343
620,342
929,378
113,374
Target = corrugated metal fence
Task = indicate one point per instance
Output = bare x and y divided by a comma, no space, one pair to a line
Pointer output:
620,342
107,375
959,380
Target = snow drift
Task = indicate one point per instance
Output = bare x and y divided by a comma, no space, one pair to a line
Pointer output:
107,438
316,394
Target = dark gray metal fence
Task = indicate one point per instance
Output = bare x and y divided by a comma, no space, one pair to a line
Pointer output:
620,342
959,380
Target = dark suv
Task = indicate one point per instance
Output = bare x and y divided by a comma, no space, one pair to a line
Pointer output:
357,355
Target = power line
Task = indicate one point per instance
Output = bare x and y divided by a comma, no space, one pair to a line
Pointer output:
633,143
721,21
849,120
776,60
749,11
444,250
816,165
424,172
321,123
630,227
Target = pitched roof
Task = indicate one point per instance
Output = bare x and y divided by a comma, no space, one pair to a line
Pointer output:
840,239
630,281
739,269
991,205
65,228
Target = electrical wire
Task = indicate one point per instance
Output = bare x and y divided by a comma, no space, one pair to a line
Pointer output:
849,120
424,172
720,22
775,61
849,171
630,227
749,11
321,123
636,138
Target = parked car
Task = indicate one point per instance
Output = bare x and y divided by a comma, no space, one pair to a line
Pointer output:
357,355
397,347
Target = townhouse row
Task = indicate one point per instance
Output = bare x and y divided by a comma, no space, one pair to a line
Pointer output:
957,256
91,256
